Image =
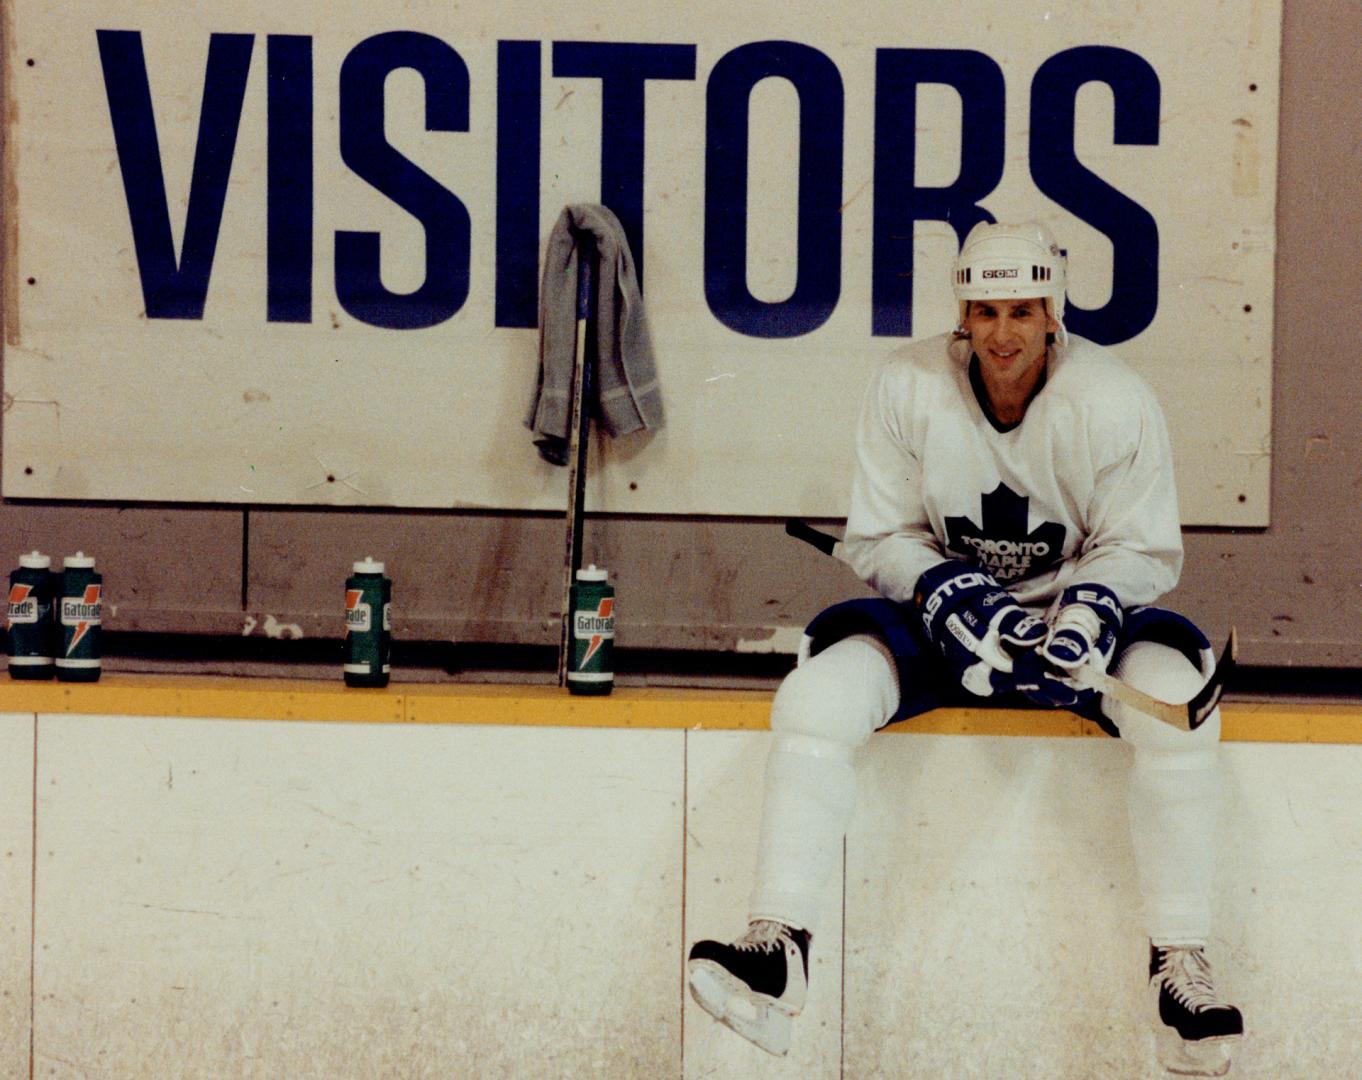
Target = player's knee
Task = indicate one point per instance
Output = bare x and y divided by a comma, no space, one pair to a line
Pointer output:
842,694
1168,675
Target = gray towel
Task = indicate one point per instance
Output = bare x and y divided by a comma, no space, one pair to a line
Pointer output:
627,394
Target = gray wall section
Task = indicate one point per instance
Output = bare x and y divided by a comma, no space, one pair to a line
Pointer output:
1293,589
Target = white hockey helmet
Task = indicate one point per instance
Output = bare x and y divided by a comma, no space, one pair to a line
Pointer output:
1004,262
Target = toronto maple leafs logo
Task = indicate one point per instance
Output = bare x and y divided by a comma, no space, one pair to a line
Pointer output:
1002,544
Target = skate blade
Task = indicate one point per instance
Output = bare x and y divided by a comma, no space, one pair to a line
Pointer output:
760,1022
1183,1057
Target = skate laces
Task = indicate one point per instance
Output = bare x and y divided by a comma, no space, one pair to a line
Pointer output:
763,935
1187,974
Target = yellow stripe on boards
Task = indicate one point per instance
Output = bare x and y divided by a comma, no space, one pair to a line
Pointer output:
196,696
203,696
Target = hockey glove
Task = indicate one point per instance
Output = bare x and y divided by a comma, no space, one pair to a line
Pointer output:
1084,628
1082,632
975,625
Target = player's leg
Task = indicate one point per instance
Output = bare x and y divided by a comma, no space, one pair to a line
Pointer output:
1174,799
823,712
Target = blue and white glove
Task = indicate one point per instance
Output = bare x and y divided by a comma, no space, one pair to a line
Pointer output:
975,624
1082,633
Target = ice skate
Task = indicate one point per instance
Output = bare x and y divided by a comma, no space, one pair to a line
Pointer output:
756,985
1195,1030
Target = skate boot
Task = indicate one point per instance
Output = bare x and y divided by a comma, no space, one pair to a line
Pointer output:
1196,1031
756,984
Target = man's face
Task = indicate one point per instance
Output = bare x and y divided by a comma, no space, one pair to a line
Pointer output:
1008,336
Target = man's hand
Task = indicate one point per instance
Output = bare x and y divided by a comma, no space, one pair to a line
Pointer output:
975,625
1083,632
1084,628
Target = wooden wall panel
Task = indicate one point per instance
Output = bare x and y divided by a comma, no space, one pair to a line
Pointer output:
681,584
164,569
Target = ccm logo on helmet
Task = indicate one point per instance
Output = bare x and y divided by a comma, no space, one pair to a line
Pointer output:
991,274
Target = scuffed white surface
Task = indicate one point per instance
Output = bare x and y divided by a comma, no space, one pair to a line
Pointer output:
16,896
992,912
222,898
287,900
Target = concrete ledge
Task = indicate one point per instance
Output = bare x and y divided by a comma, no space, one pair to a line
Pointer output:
627,707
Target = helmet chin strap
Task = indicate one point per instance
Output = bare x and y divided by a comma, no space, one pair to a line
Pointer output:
1061,335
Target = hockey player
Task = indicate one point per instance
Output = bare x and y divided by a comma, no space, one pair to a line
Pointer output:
1013,504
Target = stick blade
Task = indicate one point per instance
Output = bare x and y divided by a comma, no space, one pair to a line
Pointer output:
1209,696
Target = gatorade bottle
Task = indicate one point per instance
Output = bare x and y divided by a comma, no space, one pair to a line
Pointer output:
368,625
30,622
591,669
80,605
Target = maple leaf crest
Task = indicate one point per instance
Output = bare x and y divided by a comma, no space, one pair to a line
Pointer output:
1003,544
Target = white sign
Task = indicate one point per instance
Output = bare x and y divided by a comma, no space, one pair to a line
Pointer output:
261,257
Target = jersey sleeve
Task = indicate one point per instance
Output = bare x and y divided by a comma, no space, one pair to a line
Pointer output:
1134,540
889,541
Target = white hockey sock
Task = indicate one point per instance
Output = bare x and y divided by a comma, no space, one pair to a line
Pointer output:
1174,797
823,712
810,796
1174,802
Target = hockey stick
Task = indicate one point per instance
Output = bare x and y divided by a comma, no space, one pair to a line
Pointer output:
579,437
824,542
1184,717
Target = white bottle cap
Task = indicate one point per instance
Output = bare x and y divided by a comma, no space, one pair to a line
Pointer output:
35,560
79,561
367,565
591,573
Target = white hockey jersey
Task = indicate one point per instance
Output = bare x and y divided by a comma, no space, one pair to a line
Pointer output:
1080,491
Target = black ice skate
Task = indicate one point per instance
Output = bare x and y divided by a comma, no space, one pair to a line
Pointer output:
756,984
1196,1031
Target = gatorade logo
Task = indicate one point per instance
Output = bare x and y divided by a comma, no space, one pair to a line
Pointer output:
81,613
598,626
23,605
359,616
